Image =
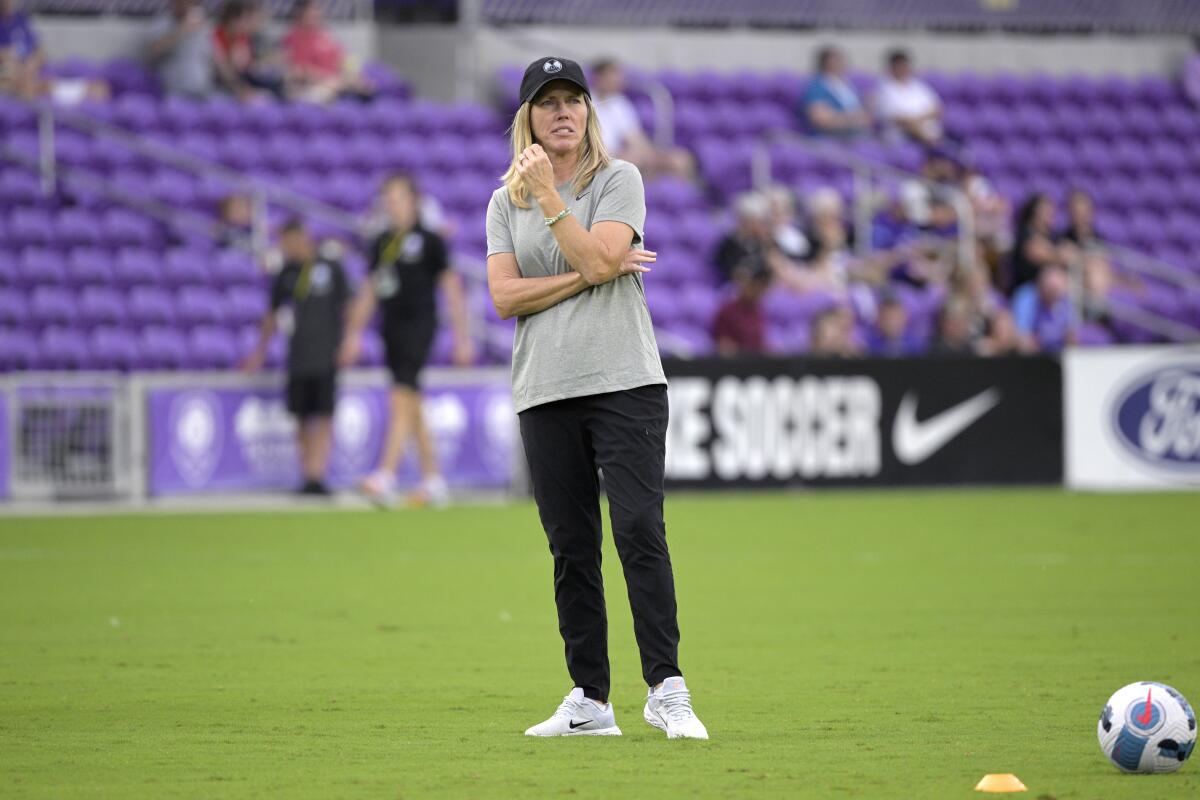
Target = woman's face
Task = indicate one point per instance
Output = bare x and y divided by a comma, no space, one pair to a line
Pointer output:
559,118
1043,215
400,203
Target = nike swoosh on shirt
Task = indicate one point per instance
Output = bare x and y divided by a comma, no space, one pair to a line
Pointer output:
914,441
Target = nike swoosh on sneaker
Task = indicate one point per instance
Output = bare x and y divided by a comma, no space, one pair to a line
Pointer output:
575,724
914,441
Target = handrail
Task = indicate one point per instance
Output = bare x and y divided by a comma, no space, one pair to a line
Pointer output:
188,162
664,111
1150,265
863,169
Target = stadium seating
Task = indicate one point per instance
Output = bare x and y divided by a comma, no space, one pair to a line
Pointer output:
76,264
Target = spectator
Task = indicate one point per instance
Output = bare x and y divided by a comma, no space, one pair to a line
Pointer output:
622,132
1081,222
790,240
408,264
1034,247
311,294
20,53
830,105
181,49
315,60
236,213
1042,311
832,334
746,248
1000,338
891,335
238,51
906,104
740,327
954,334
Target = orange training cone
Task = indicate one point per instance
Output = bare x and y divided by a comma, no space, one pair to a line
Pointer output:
1000,783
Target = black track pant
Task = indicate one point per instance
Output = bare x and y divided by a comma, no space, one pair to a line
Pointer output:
623,434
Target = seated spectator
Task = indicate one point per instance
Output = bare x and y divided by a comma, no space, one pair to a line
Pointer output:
745,249
239,54
181,49
790,240
830,105
315,60
1081,222
20,53
891,335
622,130
832,334
954,334
739,327
236,221
1034,247
906,104
1042,311
1000,338
21,62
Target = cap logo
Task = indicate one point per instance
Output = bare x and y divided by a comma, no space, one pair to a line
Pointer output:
552,66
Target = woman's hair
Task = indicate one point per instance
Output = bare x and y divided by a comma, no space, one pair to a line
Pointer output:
593,156
1028,210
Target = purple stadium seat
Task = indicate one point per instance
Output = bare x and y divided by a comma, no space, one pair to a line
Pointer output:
14,306
245,304
150,305
89,265
186,266
52,304
40,265
199,305
18,349
113,348
211,347
161,347
61,347
101,304
31,226
128,228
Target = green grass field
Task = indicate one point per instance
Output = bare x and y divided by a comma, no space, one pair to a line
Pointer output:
871,645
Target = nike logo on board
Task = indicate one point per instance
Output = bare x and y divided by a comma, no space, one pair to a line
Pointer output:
914,441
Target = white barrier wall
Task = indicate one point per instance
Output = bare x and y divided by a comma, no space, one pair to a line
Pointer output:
1132,418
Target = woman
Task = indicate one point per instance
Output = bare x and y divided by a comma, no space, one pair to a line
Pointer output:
589,389
408,264
1034,247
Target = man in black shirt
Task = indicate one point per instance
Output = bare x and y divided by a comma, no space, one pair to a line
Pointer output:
408,264
308,301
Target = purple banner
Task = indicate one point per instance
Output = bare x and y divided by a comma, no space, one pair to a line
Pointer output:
243,439
5,445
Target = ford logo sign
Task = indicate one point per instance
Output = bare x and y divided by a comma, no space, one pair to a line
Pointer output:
1157,418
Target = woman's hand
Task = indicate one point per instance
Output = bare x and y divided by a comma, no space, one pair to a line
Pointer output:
635,260
534,167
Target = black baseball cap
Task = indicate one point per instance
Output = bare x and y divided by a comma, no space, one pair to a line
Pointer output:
551,68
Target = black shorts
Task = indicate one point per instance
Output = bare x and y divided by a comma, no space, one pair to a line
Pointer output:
407,351
311,395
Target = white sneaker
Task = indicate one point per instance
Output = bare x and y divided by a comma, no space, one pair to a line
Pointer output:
380,488
578,716
432,492
669,708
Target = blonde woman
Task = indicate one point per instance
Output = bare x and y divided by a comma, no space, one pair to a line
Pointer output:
563,257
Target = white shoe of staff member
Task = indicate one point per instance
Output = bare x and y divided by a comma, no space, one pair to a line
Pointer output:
669,708
578,716
433,491
380,488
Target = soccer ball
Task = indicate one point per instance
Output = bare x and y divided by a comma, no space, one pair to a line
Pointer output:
1147,727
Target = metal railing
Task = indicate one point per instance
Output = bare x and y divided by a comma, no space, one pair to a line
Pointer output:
866,170
262,192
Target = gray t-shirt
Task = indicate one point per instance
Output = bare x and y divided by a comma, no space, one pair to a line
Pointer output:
187,68
600,340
